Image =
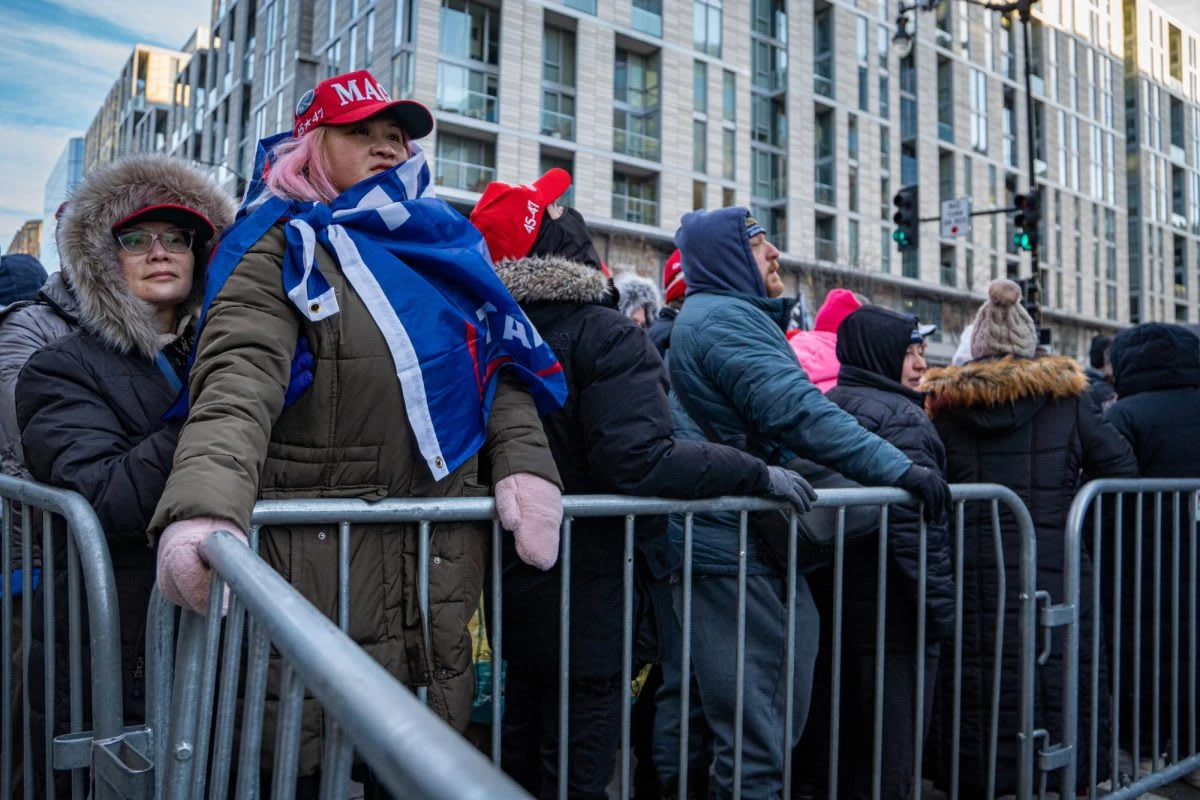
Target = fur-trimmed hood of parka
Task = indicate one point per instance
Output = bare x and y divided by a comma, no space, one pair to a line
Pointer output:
1002,392
107,195
547,279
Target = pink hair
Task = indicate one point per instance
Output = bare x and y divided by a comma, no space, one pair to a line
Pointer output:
300,170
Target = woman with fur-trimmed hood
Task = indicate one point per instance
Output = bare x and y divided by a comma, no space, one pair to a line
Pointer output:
614,435
637,298
1029,424
134,243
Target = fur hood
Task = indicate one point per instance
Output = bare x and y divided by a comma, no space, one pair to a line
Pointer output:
548,279
89,258
1002,382
634,291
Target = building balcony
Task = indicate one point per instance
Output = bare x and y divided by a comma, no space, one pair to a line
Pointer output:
1181,291
464,175
635,209
561,126
772,81
823,80
649,22
469,103
826,250
824,193
638,145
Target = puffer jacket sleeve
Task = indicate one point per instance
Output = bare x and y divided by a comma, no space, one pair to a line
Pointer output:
236,389
22,334
516,441
1106,452
1123,423
778,401
630,434
74,439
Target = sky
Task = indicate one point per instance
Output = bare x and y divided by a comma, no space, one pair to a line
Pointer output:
58,62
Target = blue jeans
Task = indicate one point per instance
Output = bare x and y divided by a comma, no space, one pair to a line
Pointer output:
669,695
714,664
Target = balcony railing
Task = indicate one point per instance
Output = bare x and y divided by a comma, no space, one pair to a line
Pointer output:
557,124
635,209
824,193
469,103
647,21
464,175
636,144
826,250
771,80
1181,290
823,79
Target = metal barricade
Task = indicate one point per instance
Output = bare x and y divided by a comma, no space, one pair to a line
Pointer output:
408,749
185,751
1142,553
115,754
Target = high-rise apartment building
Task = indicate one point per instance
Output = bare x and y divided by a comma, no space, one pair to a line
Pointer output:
804,112
27,240
66,175
1162,130
133,117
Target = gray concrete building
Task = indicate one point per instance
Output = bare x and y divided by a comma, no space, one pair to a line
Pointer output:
803,111
1162,129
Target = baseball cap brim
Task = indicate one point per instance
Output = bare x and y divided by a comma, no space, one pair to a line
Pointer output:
414,118
553,184
926,330
171,212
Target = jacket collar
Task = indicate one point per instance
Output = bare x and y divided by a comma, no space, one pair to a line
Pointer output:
779,309
548,279
1002,381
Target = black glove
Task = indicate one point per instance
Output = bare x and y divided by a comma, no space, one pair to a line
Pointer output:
790,486
930,488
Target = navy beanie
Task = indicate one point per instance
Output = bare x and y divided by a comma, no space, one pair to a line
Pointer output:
21,276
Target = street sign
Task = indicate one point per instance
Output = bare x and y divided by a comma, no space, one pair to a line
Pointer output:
956,216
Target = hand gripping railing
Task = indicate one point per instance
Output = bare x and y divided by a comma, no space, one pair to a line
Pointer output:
1161,532
115,754
407,747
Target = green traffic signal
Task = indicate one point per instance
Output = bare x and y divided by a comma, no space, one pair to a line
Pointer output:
899,238
1022,241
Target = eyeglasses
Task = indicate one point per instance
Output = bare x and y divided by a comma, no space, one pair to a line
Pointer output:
136,241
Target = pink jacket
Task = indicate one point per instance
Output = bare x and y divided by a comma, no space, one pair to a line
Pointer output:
817,353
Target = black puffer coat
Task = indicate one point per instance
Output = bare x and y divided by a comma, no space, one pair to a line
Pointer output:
614,434
871,346
1156,368
1027,424
89,408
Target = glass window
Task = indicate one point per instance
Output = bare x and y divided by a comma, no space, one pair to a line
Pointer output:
699,146
729,96
706,26
700,86
463,163
635,199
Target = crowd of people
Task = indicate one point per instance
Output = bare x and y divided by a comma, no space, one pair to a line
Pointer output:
345,334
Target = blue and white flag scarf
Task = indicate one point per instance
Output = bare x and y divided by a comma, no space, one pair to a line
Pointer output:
425,276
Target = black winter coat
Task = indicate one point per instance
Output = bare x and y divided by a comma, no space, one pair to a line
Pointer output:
1027,424
615,434
893,412
1156,369
90,419
660,330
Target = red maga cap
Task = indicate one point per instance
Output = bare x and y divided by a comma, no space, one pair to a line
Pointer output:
175,213
354,97
673,283
509,216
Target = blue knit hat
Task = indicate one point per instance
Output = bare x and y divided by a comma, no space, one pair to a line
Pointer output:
21,276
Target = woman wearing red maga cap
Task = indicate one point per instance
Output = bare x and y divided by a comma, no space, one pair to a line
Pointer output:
90,404
344,244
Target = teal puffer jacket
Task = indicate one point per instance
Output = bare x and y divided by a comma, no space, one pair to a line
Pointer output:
732,364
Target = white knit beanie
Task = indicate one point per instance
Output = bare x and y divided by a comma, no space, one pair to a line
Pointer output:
1003,326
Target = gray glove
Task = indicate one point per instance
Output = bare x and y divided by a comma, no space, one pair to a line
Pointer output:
790,486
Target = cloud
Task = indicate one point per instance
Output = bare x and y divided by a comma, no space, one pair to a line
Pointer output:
59,61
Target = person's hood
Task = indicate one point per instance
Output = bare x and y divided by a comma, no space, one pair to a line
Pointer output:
716,253
1000,394
548,279
817,353
636,291
108,195
21,275
1154,356
875,339
839,304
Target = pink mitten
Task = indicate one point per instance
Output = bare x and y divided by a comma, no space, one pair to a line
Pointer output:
531,507
183,577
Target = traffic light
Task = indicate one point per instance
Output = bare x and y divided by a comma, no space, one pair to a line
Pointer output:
906,235
1026,219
